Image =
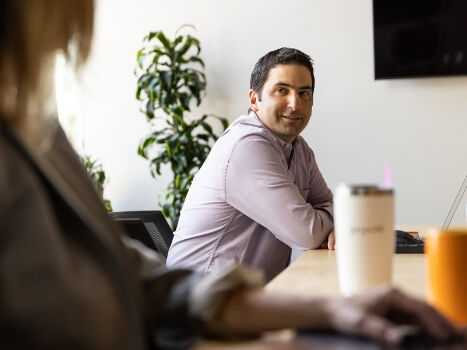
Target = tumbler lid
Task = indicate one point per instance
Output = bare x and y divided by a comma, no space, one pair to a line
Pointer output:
364,190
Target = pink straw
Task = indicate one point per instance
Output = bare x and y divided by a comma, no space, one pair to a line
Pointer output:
387,175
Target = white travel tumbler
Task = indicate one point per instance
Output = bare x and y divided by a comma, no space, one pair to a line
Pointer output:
364,229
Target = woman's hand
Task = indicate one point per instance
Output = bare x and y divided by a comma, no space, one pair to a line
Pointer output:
380,313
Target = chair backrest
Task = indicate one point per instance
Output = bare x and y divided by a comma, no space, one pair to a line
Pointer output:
155,223
136,229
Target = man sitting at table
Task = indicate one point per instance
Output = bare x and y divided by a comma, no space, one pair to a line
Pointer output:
260,192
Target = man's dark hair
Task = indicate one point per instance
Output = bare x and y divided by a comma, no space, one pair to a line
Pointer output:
283,55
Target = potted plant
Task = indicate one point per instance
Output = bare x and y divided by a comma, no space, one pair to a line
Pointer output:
97,175
171,80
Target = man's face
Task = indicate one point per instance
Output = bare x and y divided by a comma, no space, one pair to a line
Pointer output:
286,100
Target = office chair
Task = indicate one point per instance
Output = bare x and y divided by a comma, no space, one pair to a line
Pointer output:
155,223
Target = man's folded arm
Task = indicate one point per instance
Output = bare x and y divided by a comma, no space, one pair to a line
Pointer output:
259,186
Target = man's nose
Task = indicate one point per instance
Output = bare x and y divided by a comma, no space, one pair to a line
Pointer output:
293,101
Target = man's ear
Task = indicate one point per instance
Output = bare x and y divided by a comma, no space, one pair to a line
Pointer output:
253,97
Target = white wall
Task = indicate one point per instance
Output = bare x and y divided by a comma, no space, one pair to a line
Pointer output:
418,126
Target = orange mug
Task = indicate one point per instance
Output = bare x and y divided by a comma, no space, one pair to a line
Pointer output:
446,252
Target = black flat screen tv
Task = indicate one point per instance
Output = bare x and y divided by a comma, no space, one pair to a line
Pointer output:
419,38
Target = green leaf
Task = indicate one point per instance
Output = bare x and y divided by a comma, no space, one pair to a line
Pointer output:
185,100
207,127
178,40
197,59
151,35
166,79
164,41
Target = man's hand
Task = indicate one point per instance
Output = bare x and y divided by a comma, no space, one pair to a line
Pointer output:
330,243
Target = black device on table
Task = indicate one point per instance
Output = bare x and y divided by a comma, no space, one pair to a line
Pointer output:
328,340
407,243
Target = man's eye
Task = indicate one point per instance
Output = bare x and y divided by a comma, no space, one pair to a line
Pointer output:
304,93
280,89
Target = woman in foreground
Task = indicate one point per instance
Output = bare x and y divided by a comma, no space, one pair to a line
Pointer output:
70,279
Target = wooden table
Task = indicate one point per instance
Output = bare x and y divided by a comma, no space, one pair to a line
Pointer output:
315,273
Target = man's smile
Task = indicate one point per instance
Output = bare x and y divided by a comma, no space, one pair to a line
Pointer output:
292,117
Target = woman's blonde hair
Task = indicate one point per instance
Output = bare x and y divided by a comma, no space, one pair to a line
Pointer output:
32,32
